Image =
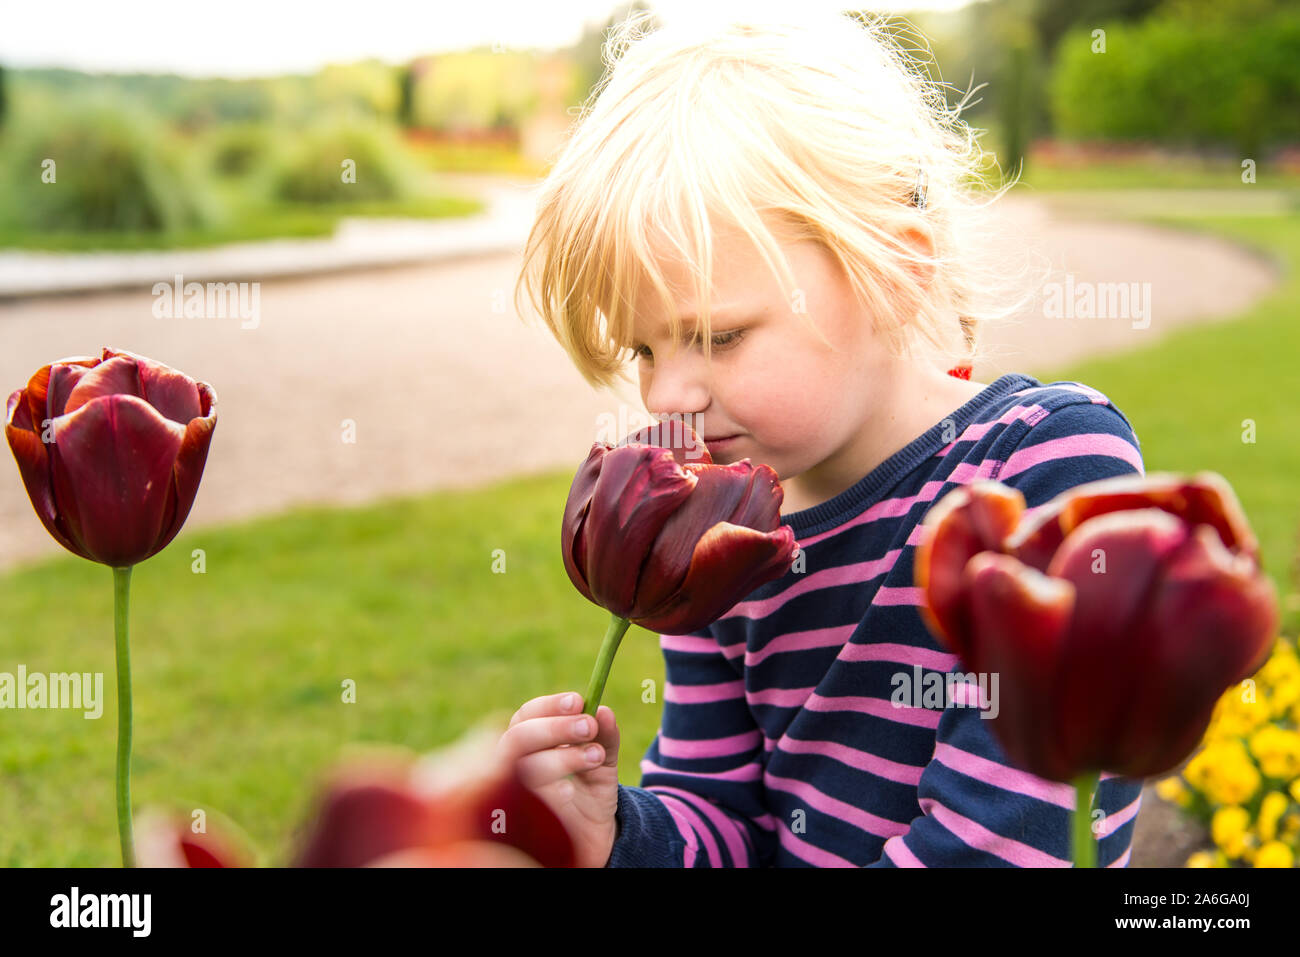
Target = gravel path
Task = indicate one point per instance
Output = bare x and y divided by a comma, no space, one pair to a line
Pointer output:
447,387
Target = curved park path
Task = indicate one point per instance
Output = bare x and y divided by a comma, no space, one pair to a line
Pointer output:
447,386
443,385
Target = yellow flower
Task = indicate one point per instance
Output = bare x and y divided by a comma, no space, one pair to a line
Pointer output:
1278,751
1224,772
1281,674
1229,828
1295,790
1274,854
1173,790
1271,810
1286,694
1201,859
1282,663
1239,710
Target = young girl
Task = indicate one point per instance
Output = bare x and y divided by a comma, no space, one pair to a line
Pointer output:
794,197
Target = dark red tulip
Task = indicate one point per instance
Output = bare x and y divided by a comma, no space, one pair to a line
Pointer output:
111,451
670,543
1115,618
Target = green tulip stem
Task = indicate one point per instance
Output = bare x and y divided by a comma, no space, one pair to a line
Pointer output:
1085,845
121,605
596,687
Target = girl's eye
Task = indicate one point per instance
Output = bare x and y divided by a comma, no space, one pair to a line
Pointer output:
721,340
724,340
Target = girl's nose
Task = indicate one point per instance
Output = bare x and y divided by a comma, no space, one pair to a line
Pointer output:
679,384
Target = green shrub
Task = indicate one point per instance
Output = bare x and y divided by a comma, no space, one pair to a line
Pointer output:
110,173
238,150
316,168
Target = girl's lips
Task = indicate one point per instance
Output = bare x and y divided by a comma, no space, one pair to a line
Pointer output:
717,445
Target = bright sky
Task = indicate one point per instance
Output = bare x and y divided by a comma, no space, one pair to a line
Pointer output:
262,37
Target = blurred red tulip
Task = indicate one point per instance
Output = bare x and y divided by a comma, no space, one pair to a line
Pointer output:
1115,617
668,543
166,839
111,451
461,807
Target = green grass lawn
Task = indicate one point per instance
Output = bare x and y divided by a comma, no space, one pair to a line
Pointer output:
1147,174
238,671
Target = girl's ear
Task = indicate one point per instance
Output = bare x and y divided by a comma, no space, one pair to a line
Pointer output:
919,245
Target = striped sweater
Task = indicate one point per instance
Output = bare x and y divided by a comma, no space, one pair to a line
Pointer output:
781,743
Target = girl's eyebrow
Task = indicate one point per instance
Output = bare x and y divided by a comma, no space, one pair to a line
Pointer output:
727,313
724,313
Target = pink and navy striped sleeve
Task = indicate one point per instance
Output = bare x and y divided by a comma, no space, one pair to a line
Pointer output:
788,737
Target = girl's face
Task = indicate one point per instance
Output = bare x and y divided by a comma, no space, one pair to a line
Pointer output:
806,410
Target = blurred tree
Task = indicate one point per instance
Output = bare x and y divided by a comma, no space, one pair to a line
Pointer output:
4,103
1017,105
1052,19
1217,11
406,95
1006,49
1226,81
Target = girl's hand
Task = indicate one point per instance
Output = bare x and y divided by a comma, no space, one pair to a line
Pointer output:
551,755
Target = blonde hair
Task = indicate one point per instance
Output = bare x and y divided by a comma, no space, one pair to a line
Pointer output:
822,127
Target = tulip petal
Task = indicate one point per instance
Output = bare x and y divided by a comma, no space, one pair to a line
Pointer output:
112,465
1039,537
1019,622
530,826
475,794
1205,498
729,562
34,466
172,393
356,823
165,840
968,520
720,492
573,538
62,379
36,395
459,854
675,434
1210,624
1115,562
188,471
38,400
761,506
639,486
116,376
